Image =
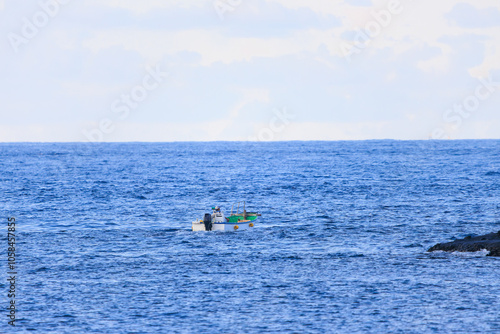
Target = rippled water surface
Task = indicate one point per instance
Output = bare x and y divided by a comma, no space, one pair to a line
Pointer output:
105,244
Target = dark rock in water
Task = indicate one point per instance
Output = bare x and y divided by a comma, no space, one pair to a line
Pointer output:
490,242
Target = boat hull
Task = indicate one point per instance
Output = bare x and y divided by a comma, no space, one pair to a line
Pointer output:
224,227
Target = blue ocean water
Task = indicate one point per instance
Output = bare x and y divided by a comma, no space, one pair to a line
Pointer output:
105,246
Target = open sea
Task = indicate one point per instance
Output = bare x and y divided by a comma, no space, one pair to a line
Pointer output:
104,241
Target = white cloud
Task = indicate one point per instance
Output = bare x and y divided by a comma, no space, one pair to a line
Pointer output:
491,60
210,45
141,7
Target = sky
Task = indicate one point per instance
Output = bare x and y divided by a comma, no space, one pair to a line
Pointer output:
266,70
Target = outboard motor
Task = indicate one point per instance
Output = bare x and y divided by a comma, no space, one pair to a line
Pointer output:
207,220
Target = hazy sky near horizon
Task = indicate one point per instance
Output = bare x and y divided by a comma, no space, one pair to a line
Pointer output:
196,70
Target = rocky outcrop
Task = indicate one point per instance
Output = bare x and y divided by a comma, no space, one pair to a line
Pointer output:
490,242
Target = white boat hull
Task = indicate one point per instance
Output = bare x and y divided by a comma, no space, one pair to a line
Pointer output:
224,227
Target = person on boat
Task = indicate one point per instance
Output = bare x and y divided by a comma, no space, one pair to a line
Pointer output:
217,216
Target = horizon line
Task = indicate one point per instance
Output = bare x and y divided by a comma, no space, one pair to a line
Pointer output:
242,141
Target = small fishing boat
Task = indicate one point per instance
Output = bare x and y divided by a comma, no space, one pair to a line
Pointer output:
218,222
